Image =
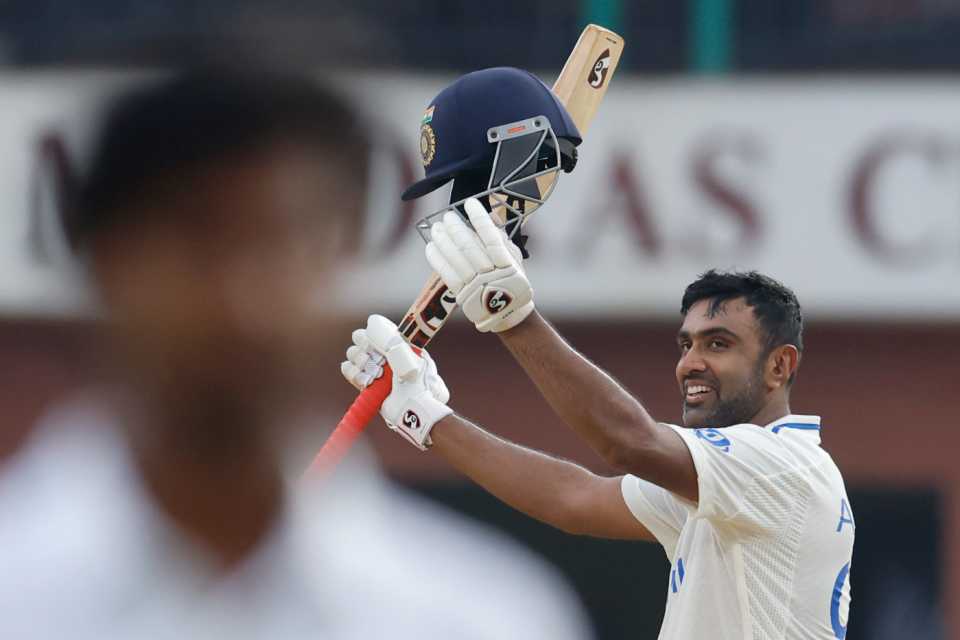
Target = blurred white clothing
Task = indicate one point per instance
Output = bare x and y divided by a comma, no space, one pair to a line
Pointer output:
84,554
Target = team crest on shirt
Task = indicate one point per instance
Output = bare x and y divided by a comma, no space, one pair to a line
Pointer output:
714,437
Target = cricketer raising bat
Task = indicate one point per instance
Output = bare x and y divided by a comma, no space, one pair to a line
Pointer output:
580,87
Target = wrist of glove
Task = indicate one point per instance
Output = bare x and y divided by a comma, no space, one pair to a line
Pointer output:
413,417
418,397
482,267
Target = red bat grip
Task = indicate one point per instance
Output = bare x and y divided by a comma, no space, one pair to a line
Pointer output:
364,409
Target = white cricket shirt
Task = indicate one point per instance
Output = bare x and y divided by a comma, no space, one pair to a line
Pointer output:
766,553
84,555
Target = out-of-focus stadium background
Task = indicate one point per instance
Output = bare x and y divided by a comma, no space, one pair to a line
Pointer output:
816,140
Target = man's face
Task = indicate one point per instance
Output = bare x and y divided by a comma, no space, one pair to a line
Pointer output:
720,371
225,285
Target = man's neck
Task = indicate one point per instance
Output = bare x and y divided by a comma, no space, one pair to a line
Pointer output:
228,499
773,410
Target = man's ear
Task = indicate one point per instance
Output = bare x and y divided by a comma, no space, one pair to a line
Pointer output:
782,364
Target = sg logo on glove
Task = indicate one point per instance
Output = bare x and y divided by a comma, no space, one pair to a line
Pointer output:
496,300
411,420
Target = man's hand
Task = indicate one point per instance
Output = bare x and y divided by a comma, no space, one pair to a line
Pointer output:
482,268
419,396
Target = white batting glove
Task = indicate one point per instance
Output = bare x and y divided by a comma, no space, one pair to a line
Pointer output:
481,266
419,397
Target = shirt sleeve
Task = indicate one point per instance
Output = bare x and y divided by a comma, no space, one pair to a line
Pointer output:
661,512
747,480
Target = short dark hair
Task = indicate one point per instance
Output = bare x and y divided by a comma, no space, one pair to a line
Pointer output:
774,305
197,117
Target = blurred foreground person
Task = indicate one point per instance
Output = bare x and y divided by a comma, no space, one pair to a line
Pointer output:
210,222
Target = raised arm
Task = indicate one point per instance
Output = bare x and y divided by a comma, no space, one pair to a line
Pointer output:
554,491
481,267
607,416
557,492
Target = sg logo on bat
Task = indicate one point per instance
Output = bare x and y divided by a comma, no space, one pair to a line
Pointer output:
598,75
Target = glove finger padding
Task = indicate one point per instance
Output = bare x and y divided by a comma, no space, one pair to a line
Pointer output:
435,383
366,359
514,252
359,357
467,242
355,376
363,364
493,238
443,268
385,338
359,337
451,253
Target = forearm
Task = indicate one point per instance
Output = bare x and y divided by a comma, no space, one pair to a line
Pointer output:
554,491
541,486
589,400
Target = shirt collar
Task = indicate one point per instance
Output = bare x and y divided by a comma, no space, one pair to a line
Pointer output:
794,423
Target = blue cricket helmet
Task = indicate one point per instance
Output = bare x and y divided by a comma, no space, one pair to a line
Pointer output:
453,131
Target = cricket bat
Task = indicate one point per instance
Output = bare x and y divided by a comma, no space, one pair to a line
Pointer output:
581,86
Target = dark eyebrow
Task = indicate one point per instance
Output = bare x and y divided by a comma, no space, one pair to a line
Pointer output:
683,334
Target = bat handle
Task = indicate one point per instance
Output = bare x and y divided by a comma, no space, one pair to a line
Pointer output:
364,409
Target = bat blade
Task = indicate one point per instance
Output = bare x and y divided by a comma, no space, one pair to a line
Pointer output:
583,83
585,78
581,86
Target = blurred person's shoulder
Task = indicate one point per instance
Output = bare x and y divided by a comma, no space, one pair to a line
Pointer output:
64,532
356,555
394,544
71,450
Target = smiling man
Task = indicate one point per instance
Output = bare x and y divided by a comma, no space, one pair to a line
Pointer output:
750,510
